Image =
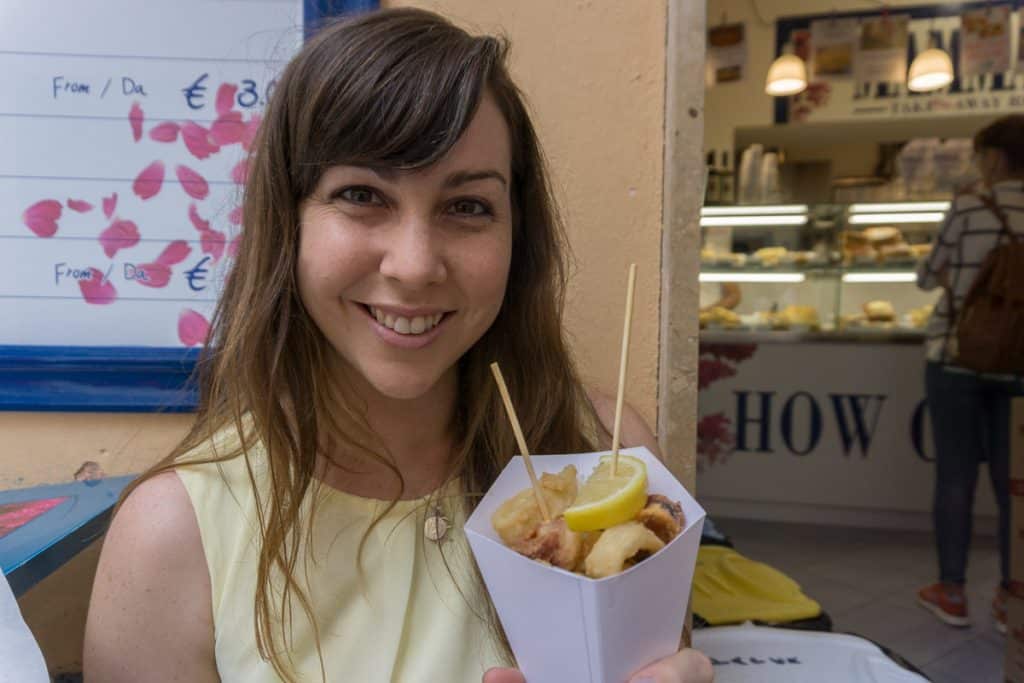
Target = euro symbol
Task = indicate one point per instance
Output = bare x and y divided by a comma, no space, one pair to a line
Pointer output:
194,93
197,275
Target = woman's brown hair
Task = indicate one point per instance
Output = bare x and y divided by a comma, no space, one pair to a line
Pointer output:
394,88
1007,135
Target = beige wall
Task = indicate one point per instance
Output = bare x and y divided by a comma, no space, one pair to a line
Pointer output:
594,75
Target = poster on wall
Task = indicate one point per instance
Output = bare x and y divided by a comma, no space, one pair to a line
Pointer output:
985,41
818,90
126,135
833,45
881,54
727,53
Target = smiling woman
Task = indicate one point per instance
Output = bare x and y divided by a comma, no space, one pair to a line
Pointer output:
399,237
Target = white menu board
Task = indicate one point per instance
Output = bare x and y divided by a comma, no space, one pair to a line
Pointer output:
124,127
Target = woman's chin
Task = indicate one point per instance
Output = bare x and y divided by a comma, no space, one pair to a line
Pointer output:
403,387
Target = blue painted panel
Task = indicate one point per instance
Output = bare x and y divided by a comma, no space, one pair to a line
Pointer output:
31,553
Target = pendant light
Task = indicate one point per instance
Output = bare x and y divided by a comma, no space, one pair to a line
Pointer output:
930,70
786,76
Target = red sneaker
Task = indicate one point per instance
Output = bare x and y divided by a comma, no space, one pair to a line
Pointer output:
946,601
999,609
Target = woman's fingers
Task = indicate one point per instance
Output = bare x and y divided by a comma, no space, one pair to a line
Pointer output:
504,676
685,666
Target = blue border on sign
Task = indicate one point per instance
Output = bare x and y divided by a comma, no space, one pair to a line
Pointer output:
784,26
120,378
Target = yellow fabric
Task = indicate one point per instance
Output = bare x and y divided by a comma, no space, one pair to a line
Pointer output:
402,619
729,588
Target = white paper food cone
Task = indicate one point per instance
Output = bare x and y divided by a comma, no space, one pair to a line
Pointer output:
567,627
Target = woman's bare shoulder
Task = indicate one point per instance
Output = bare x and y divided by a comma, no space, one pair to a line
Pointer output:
635,431
152,588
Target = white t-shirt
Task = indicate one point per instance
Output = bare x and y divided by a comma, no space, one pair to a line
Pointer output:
21,661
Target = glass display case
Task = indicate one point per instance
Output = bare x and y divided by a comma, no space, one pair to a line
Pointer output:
836,270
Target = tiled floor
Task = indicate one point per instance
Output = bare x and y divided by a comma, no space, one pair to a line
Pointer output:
866,581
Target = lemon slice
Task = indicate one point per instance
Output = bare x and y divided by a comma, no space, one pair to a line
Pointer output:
604,500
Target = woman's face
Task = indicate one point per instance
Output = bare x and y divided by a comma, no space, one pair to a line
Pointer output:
403,271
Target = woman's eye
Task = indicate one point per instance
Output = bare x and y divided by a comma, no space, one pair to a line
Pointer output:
470,207
361,195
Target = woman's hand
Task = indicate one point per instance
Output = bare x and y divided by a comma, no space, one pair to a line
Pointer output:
685,666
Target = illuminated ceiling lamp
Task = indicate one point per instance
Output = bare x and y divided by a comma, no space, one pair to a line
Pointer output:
786,76
930,70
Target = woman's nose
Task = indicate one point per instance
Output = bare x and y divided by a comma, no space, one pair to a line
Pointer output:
413,254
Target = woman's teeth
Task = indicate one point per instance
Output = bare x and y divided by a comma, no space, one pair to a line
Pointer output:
417,325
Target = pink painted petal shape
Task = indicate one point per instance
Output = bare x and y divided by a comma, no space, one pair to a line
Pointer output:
120,235
228,129
194,184
109,204
251,128
148,183
135,118
235,217
79,205
212,242
175,252
41,217
197,140
233,245
97,291
165,132
226,97
240,173
153,274
193,328
197,221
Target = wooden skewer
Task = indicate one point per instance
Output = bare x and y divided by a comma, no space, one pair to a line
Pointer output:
503,390
623,363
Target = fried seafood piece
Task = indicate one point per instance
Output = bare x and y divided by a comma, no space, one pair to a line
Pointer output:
555,543
517,519
619,548
662,516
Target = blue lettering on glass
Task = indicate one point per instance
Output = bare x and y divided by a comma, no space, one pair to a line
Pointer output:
859,404
247,94
61,270
764,421
197,275
62,85
756,661
133,272
813,427
917,427
130,87
194,93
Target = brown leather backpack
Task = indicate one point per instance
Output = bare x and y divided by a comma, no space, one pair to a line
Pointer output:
990,324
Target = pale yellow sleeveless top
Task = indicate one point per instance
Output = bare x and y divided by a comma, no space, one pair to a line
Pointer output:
402,619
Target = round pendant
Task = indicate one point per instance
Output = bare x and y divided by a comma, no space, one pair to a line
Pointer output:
436,526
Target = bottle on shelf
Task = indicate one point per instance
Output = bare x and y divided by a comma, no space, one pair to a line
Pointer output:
712,182
726,181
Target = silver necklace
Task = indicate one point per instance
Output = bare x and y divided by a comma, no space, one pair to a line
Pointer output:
436,526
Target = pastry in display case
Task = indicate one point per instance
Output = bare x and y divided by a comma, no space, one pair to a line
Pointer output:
829,270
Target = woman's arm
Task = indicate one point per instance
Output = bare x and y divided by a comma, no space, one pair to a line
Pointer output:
150,616
932,271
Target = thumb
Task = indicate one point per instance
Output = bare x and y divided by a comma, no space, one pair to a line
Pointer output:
504,676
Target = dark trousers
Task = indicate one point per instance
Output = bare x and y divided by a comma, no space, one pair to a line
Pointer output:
970,417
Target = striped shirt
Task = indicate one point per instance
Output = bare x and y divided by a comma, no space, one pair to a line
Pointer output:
969,232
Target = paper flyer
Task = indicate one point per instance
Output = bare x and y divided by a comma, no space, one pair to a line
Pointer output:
985,41
833,45
881,55
727,53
